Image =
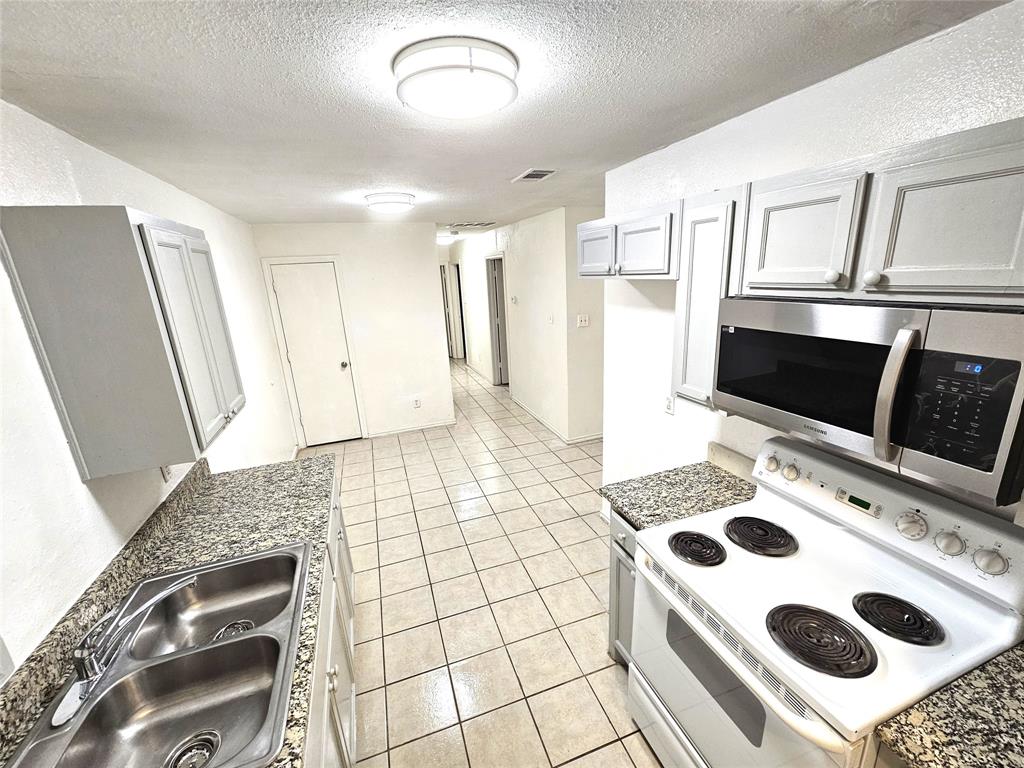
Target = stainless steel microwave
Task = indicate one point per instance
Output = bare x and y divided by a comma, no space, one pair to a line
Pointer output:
933,394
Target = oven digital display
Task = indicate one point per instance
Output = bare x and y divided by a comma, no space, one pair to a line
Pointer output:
859,502
965,366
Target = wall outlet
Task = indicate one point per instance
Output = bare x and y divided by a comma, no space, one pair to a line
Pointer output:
165,473
417,403
582,321
670,405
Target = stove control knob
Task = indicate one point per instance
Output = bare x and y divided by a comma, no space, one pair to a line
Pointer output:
772,464
911,526
950,543
791,472
991,562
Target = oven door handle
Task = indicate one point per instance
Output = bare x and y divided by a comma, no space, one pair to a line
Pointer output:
885,401
818,732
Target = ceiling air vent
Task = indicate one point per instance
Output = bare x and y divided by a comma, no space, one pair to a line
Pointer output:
470,224
533,174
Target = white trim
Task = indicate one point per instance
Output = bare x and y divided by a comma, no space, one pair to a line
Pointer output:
559,435
404,430
335,259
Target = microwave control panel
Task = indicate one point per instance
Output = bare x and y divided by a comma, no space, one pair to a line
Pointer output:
958,407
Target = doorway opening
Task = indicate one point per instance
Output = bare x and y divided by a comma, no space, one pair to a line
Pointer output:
496,307
451,292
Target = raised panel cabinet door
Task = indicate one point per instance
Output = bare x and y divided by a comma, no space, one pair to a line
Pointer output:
954,224
644,246
169,258
803,235
595,249
341,678
212,309
706,244
620,615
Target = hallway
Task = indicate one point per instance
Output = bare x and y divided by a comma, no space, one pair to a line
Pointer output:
482,586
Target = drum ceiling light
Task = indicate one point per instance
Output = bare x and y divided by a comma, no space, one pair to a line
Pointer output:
456,77
390,202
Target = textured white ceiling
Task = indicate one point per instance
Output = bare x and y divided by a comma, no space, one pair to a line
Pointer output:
285,111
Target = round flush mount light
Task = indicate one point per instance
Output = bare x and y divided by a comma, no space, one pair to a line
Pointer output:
456,77
390,202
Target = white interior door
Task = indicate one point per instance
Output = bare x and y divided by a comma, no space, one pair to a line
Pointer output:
499,336
316,350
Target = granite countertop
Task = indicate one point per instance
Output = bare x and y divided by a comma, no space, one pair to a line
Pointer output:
676,493
206,518
976,721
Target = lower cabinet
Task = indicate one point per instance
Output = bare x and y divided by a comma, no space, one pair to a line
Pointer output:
331,731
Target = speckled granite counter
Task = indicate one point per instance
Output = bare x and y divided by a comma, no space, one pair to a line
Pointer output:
655,499
206,518
976,721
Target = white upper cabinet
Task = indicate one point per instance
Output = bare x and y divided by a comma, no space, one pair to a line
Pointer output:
169,256
802,232
595,248
706,247
212,312
951,224
126,320
642,245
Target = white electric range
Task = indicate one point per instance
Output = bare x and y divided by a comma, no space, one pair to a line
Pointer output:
782,631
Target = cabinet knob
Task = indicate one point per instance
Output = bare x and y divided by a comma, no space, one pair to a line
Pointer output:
341,535
609,270
331,686
333,673
632,573
344,364
872,278
618,269
833,276
620,536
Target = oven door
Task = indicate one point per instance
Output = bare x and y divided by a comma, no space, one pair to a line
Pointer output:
827,371
727,715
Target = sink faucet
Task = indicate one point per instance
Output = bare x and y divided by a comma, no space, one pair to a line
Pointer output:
96,650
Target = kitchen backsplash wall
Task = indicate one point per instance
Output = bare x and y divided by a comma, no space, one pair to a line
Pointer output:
963,78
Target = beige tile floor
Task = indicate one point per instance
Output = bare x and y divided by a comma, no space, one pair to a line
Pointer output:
482,592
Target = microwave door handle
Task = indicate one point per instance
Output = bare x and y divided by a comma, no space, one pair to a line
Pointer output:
905,340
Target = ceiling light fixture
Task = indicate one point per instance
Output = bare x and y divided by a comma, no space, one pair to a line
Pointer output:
456,77
390,202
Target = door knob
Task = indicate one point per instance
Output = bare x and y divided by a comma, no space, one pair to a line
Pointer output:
344,364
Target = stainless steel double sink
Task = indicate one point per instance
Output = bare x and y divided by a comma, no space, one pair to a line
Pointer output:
201,681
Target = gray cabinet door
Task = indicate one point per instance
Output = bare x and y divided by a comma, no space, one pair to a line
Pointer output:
644,246
595,249
707,229
169,258
802,232
208,299
621,583
953,224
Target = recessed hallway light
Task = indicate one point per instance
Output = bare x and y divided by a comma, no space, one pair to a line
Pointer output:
456,77
390,202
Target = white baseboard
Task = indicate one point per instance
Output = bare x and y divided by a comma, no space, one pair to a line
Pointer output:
559,435
410,428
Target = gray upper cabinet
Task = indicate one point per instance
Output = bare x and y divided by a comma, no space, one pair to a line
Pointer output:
708,226
950,224
125,316
643,245
802,232
595,248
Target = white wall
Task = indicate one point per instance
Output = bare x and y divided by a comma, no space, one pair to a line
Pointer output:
962,78
585,345
394,314
56,533
535,291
